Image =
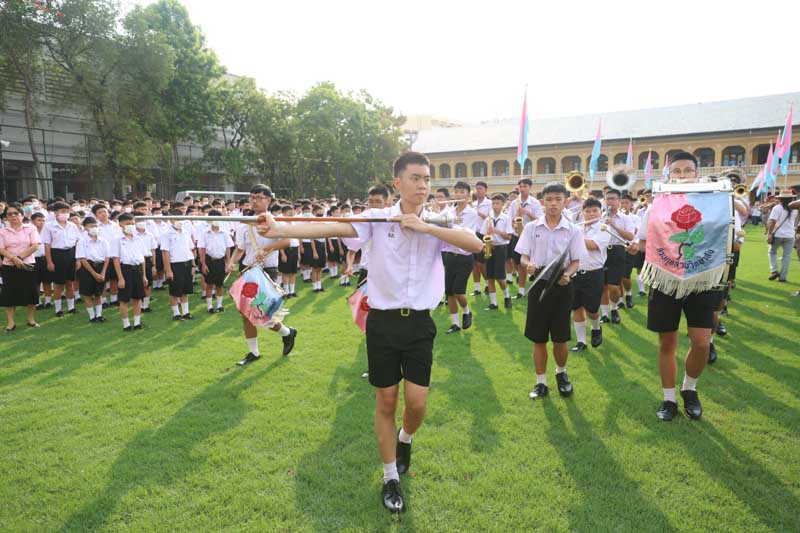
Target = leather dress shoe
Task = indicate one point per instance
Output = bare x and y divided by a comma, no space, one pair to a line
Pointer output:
538,392
188,316
691,404
138,326
604,320
597,337
615,318
564,386
392,497
403,456
519,296
453,329
288,341
249,358
492,307
127,329
476,293
712,354
507,303
773,276
578,347
667,411
466,320
629,301
146,310
721,329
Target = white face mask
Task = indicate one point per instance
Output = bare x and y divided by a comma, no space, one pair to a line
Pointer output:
129,229
129,210
62,217
215,225
141,225
93,231
177,224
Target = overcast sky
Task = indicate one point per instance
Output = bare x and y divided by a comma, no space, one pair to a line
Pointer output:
470,61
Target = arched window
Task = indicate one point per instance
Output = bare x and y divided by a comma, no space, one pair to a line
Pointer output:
433,172
527,171
546,165
479,169
794,155
570,164
602,162
705,157
444,171
653,160
733,156
760,154
620,159
461,170
500,168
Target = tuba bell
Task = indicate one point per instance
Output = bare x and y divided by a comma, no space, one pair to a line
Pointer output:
575,182
740,191
621,177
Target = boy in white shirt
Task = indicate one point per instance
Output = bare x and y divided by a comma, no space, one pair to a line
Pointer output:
213,250
128,255
93,255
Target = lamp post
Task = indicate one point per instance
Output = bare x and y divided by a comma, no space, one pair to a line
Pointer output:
3,144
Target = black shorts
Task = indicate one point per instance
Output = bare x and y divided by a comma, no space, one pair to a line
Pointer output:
41,270
480,257
399,347
271,272
182,281
457,270
496,264
549,319
587,289
88,285
615,265
664,311
148,270
111,272
159,260
134,284
512,244
290,265
334,256
216,271
307,255
319,262
64,261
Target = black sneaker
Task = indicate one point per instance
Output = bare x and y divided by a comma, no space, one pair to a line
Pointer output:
177,318
39,307
466,320
139,326
59,314
105,305
712,354
146,310
100,319
403,454
667,411
288,341
538,392
691,404
597,337
642,293
321,289
188,316
604,320
72,311
220,310
249,358
721,329
210,311
93,320
507,303
615,318
392,497
564,386
492,307
128,329
48,306
476,293
519,296
578,347
453,329
629,301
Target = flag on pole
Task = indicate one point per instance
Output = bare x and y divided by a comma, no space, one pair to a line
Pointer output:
647,169
786,144
629,159
359,306
769,177
596,149
665,170
775,156
522,147
758,182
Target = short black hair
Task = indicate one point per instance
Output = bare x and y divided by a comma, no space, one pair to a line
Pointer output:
36,216
525,181
409,158
499,197
444,191
378,190
684,156
611,190
124,217
260,188
482,184
214,213
591,202
554,187
175,212
286,208
463,185
89,220
139,205
57,206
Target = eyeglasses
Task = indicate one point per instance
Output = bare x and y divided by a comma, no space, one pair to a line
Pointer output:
683,172
13,214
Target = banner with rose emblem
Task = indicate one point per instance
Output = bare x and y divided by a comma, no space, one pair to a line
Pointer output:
688,242
359,306
258,298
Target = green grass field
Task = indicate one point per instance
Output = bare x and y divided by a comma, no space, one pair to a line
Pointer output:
159,430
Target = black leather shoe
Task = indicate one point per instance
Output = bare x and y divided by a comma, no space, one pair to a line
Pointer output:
105,305
507,303
219,310
249,358
210,311
597,337
519,296
712,354
578,347
39,307
773,276
642,293
177,318
392,497
721,329
188,316
538,392
476,293
629,301
492,307
72,311
403,456
615,319
564,386
100,319
146,310
453,329
604,320
321,289
140,326
691,404
93,320
466,320
288,341
128,329
59,314
667,411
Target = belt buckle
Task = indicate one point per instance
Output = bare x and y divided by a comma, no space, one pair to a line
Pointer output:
405,312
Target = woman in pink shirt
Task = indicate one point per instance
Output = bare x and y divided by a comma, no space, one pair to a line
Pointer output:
17,246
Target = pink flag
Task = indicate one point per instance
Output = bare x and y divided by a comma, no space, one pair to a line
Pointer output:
257,298
629,159
648,167
359,306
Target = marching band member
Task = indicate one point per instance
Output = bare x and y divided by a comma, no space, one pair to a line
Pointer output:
529,209
498,226
615,260
483,207
458,263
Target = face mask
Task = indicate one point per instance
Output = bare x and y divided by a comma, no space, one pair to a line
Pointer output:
93,231
129,229
178,224
62,217
141,225
129,210
215,225
28,209
36,205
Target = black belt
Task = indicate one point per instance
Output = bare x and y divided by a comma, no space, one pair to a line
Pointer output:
582,272
134,267
405,313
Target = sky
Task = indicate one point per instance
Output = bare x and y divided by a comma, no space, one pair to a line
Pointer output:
471,61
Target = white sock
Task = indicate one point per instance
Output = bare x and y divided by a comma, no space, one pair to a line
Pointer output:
628,292
669,395
521,290
175,311
580,331
279,281
335,271
126,323
477,285
614,306
560,369
291,288
77,295
98,310
509,278
493,298
103,300
210,303
48,300
137,319
58,305
390,472
219,302
640,283
252,345
604,310
689,383
286,288
505,292
90,310
284,331
145,302
454,318
113,298
70,304
404,437
541,378
595,322
466,309
185,308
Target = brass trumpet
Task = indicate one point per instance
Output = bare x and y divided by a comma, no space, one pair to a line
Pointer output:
642,200
487,246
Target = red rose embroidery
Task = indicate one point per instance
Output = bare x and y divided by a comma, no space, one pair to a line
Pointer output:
364,304
686,217
250,289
